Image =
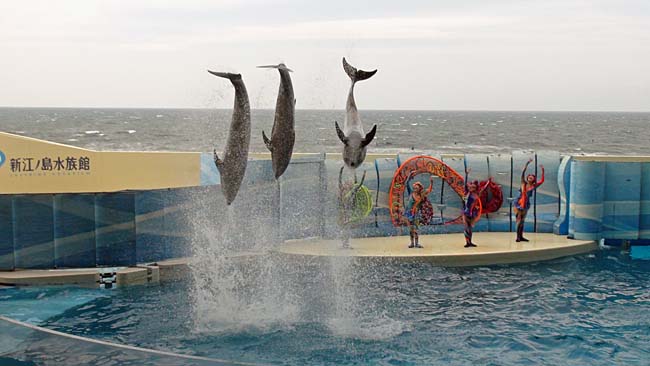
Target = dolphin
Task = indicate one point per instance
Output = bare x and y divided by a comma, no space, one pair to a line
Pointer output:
352,136
235,157
283,134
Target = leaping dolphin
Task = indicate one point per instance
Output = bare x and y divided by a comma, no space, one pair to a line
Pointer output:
353,138
235,157
283,134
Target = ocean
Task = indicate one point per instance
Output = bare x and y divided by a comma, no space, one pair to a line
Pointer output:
620,133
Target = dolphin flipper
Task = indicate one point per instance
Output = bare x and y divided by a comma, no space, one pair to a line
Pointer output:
267,142
369,136
218,162
340,133
356,75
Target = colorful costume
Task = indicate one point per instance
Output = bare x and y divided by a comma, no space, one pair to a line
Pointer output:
470,204
523,202
418,211
471,211
414,210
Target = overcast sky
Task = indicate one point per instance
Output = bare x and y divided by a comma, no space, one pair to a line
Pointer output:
475,54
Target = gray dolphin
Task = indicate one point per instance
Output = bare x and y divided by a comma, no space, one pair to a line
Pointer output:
235,157
283,134
352,136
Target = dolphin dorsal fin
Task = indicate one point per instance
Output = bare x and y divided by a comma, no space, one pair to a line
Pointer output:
267,142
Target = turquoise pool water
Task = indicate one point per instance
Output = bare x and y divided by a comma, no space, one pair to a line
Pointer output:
588,310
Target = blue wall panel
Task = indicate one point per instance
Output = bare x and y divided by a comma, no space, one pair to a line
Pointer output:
33,231
500,169
152,243
6,234
644,210
209,172
547,197
385,168
115,229
561,225
622,205
74,230
178,223
587,195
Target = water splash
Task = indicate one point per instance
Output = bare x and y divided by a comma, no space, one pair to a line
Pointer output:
239,284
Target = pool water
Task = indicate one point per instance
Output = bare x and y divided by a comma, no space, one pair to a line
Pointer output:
586,310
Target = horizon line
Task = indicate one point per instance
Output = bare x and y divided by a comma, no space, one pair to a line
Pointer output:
342,109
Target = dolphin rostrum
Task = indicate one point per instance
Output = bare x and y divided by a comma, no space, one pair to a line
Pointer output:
353,138
235,157
283,134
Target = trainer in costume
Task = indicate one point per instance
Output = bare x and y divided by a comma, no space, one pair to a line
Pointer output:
418,200
471,208
528,186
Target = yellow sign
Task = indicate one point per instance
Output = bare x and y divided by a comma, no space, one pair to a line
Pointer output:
30,165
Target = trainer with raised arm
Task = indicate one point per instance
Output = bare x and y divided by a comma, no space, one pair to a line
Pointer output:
528,186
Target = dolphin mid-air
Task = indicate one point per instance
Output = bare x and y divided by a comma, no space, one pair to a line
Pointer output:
235,157
283,134
353,138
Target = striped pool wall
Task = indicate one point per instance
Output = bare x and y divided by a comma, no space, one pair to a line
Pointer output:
480,171
547,197
453,203
584,197
261,200
622,202
644,210
74,231
519,159
330,210
33,229
115,229
561,225
587,196
6,234
369,225
302,198
500,169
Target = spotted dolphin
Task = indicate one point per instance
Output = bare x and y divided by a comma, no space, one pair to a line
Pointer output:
283,134
235,156
352,136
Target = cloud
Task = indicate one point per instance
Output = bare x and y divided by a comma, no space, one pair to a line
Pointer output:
499,54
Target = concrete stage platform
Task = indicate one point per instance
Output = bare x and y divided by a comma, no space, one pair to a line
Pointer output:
447,249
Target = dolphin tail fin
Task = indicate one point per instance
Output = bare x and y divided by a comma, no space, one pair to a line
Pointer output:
267,142
278,66
356,75
218,162
227,75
